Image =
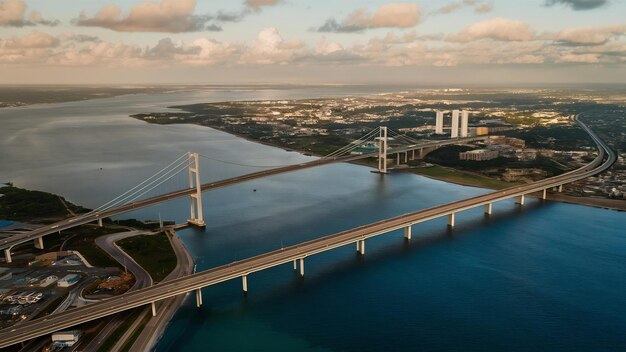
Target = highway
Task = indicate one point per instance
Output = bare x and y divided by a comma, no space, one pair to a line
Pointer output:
17,239
39,327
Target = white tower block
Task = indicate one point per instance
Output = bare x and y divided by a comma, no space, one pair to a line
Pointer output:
439,122
464,123
455,124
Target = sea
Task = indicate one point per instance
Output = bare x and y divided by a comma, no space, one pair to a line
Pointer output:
548,276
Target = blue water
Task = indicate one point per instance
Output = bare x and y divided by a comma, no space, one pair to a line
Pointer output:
549,276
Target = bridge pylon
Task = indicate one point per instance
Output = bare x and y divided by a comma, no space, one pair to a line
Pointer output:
196,217
382,150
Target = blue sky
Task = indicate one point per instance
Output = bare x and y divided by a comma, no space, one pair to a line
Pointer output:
323,41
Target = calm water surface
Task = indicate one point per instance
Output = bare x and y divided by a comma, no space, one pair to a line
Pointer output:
550,276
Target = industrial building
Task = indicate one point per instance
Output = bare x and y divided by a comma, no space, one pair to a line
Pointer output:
68,280
66,338
478,155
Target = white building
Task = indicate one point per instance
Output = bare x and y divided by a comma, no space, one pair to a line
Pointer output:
439,122
68,280
66,338
455,124
48,281
464,123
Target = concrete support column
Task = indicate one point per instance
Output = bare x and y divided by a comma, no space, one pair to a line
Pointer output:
544,194
421,155
154,312
244,282
488,208
358,246
100,222
407,232
382,150
39,242
199,297
451,220
397,158
406,157
302,267
362,249
521,200
560,188
413,154
295,265
7,255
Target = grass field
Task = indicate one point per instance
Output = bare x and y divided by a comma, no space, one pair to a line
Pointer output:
153,252
460,177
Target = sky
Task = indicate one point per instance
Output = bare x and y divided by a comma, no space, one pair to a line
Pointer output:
464,42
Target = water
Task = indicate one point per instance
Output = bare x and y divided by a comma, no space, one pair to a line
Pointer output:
550,276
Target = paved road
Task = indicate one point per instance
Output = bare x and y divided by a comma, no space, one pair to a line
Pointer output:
91,217
238,269
142,280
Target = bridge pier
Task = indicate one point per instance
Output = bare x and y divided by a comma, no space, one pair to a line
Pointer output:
413,154
100,222
407,232
244,282
198,297
358,246
521,200
39,242
560,188
362,247
488,208
397,159
406,157
154,311
544,194
7,255
295,265
302,267
451,220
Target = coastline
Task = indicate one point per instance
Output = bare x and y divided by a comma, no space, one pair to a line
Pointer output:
154,329
603,203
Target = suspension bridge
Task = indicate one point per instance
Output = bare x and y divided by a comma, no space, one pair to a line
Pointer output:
388,143
295,254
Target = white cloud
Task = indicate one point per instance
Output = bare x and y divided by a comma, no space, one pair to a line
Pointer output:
256,5
590,35
13,14
392,15
170,16
500,29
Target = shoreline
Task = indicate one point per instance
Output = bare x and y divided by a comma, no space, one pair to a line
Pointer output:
602,203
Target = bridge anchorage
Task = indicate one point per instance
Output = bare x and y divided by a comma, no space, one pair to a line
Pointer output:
196,218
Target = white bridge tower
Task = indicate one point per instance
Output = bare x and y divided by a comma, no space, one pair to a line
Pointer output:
382,150
196,198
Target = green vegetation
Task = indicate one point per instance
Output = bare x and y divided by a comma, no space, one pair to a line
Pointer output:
25,205
154,253
554,137
465,178
84,242
131,316
133,337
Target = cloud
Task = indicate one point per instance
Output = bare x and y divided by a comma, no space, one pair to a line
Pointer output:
170,16
479,7
579,4
256,5
499,29
590,35
13,14
270,48
392,15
